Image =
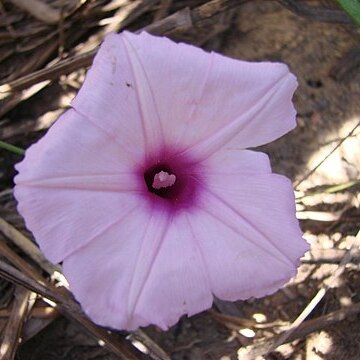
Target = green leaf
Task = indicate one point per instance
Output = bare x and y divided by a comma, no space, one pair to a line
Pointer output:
352,7
12,148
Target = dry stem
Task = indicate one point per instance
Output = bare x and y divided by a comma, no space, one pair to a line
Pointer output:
12,335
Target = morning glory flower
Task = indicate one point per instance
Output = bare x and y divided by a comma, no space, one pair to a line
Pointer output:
145,191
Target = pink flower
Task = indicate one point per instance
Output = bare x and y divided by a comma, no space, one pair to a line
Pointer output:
145,192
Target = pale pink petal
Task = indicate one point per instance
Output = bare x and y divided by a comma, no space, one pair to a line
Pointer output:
65,220
178,283
117,96
74,147
231,161
250,221
100,273
147,269
73,184
205,100
271,116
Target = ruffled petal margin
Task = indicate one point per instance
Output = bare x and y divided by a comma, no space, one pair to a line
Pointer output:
152,274
250,220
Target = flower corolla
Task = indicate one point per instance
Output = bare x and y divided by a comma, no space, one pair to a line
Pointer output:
145,191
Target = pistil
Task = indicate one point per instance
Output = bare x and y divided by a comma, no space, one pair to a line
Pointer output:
163,180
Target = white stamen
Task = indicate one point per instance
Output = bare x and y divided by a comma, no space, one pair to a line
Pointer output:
163,180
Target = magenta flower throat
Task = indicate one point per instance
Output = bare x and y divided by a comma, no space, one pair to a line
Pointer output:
172,181
145,191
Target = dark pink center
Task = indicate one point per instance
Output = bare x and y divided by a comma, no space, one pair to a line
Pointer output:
168,191
172,181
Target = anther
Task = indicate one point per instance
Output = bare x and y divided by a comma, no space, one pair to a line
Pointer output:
163,180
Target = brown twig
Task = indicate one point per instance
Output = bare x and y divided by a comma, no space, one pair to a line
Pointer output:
156,352
42,312
12,335
330,189
241,322
28,126
126,15
27,246
262,347
38,319
19,262
11,274
329,256
307,175
17,97
171,25
63,67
